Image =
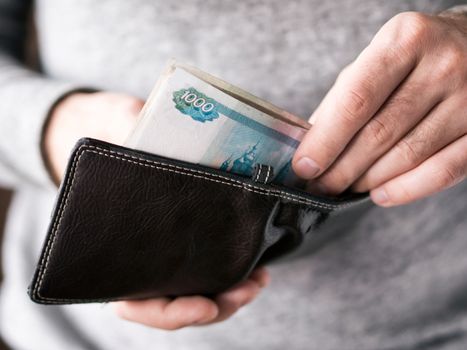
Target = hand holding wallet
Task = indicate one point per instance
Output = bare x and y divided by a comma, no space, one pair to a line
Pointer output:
128,224
131,224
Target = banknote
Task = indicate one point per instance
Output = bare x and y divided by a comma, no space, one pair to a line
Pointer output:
196,117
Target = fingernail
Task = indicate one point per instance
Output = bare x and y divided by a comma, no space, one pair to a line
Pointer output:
251,298
206,318
246,302
380,196
203,320
306,168
265,283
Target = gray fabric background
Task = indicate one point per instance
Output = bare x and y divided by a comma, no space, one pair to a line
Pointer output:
372,278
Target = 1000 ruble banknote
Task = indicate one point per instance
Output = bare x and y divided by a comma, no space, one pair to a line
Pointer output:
193,116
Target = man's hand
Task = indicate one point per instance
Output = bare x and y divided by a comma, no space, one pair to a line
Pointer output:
395,121
110,117
181,312
102,115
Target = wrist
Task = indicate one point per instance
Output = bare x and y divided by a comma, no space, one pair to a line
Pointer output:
52,129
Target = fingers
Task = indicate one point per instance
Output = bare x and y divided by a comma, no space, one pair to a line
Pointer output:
352,101
174,314
445,123
390,111
167,314
400,113
261,276
230,301
446,168
118,115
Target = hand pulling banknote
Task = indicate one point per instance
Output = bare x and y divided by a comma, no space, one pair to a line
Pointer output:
195,117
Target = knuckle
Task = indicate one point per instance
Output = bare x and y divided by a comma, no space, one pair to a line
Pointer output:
448,175
432,129
449,64
377,132
384,128
414,26
406,31
354,104
408,151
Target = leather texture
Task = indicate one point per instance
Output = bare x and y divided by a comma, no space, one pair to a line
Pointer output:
128,224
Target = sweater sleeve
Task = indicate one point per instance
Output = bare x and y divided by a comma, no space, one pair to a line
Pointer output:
26,97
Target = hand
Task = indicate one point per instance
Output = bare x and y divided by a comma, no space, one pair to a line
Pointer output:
102,115
110,117
181,312
395,121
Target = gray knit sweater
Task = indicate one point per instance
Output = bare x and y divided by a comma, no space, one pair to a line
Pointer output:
371,278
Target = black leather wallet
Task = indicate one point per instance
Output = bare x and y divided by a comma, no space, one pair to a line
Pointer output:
128,224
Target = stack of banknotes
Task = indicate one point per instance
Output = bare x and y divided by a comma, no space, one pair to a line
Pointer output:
196,117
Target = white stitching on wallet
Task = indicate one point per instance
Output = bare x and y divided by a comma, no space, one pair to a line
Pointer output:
55,226
258,173
285,195
230,182
267,175
156,165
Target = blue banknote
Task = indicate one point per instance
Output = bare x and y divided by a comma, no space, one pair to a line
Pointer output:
195,117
